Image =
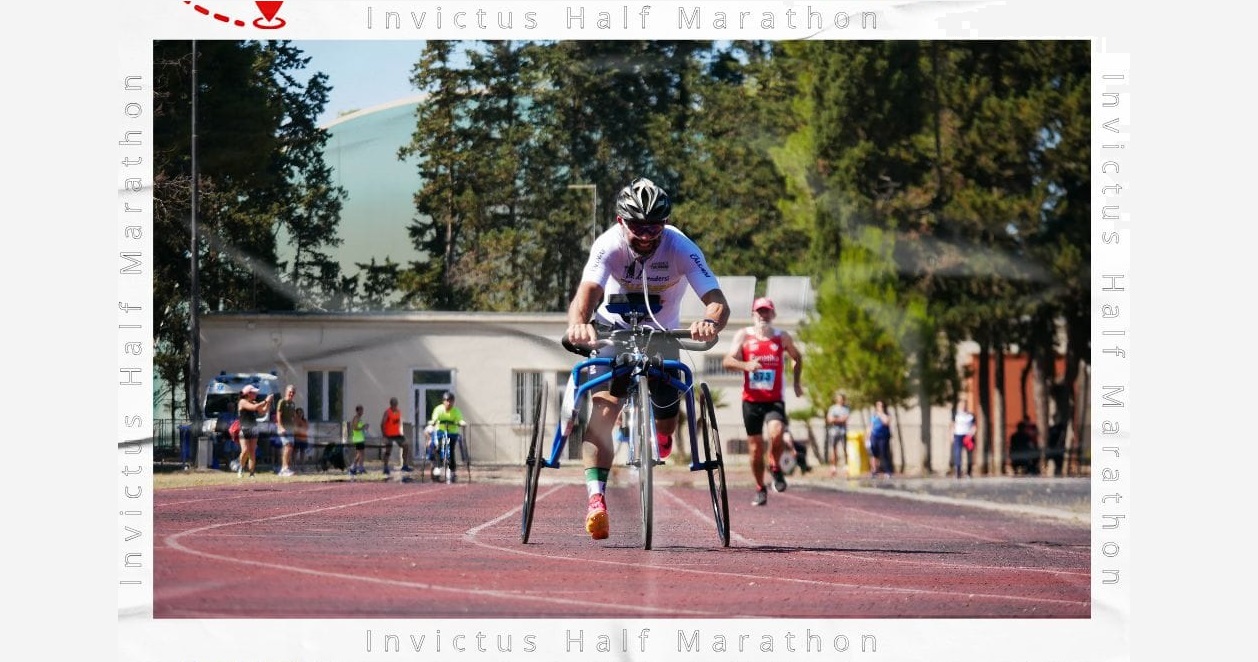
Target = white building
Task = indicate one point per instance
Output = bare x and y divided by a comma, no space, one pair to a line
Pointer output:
494,362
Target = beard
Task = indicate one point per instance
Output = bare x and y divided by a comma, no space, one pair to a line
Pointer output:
762,325
642,247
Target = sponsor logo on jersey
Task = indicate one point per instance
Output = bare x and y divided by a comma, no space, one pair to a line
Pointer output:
703,268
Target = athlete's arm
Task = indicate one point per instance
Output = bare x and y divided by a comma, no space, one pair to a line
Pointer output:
788,343
715,316
586,300
733,359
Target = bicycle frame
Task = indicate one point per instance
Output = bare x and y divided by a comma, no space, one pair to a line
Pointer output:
634,366
441,444
633,370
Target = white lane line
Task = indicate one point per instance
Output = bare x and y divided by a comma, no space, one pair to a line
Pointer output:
173,541
471,537
865,555
957,532
241,495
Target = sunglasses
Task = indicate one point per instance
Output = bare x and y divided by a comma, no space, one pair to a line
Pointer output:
644,230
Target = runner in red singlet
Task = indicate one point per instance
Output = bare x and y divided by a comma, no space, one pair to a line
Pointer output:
760,352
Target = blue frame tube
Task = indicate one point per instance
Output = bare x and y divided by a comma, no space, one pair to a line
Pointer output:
560,441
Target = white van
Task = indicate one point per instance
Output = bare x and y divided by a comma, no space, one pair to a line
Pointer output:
222,394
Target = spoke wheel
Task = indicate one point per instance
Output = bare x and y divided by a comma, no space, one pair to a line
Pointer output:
447,452
427,465
715,464
533,464
645,444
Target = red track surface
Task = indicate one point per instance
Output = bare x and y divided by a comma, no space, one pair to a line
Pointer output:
339,550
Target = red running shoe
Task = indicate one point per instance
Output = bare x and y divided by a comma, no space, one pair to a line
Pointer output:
665,443
596,521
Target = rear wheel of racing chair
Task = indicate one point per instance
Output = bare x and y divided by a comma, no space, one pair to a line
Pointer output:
428,462
645,450
713,463
533,463
464,456
447,457
436,463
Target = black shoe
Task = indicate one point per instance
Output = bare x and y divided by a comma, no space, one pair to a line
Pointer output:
762,497
779,481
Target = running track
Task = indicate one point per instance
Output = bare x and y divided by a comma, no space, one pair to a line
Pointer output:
370,549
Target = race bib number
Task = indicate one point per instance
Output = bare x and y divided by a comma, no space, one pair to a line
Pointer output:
761,380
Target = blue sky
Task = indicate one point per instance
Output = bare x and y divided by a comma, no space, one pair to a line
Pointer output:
362,73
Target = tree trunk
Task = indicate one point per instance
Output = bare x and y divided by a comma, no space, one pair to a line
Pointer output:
1079,428
1039,404
927,459
984,402
1075,385
1002,426
1023,379
923,405
899,436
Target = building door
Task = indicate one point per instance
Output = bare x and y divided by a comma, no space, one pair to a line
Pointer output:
427,387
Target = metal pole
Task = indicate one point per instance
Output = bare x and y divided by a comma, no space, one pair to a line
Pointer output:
194,301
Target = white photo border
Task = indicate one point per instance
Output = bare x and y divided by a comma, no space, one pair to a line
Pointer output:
1104,636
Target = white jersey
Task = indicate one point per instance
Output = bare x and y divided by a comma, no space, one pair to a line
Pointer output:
963,424
676,261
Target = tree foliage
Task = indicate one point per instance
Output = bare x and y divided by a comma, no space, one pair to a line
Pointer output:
260,175
937,192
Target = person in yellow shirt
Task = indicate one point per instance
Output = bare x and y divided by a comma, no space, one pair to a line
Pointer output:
448,419
358,437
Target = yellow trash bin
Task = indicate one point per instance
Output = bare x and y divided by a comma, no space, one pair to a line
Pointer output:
857,455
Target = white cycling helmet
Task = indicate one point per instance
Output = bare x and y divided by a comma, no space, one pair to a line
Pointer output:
642,209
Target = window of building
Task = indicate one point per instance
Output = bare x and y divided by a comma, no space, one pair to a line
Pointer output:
325,395
434,377
527,385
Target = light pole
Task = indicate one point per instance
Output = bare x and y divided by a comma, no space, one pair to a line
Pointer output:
194,284
593,208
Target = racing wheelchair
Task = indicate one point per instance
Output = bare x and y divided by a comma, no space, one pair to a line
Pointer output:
634,367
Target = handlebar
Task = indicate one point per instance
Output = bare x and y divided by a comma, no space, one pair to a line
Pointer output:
611,336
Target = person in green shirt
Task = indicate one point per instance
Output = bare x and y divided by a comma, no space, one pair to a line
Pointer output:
448,419
358,437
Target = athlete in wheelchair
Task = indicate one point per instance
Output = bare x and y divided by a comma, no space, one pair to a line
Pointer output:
445,433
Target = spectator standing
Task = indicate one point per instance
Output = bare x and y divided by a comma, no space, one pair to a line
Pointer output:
836,431
250,412
358,437
880,441
285,424
964,428
760,352
391,428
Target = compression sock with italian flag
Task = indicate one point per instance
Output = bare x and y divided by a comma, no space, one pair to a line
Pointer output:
596,480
